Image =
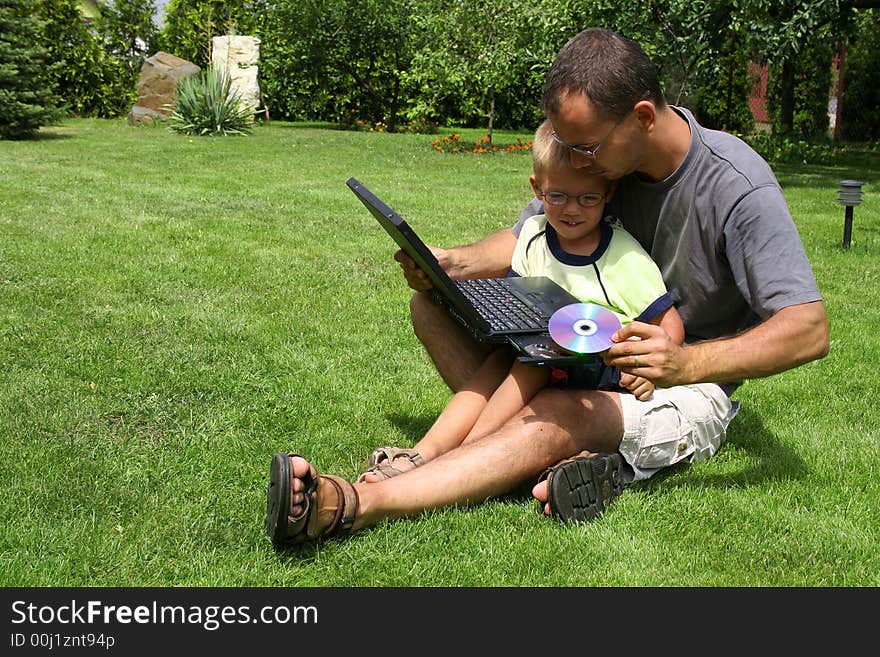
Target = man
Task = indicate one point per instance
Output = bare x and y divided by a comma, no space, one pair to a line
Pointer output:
709,211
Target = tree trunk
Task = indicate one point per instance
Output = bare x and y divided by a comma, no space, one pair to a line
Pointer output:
786,102
491,114
838,113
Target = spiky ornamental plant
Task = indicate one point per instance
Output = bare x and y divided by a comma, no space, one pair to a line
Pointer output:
206,105
27,101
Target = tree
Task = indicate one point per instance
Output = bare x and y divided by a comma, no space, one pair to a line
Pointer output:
861,91
338,60
780,32
473,52
87,79
129,32
26,99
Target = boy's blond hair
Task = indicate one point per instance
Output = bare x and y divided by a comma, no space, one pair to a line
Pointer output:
547,152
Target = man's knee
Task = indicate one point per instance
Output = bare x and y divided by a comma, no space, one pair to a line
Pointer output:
573,403
423,313
593,418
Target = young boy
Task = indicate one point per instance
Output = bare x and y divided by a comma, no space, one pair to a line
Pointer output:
588,254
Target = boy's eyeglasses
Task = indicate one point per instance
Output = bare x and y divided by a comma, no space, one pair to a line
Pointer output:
561,198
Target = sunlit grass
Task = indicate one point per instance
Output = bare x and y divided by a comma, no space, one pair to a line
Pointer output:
173,310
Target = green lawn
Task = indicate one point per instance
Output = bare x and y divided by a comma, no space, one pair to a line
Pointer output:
173,310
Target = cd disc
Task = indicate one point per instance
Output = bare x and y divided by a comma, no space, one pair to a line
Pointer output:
583,328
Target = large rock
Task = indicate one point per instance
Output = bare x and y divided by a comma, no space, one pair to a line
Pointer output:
157,86
238,57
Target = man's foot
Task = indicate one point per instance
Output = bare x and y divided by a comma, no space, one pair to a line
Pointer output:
303,505
387,462
580,488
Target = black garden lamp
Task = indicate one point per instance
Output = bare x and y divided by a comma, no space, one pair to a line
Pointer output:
850,195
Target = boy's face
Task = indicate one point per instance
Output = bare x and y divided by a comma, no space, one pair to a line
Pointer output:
572,220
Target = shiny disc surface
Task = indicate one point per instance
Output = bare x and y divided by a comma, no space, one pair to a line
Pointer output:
584,328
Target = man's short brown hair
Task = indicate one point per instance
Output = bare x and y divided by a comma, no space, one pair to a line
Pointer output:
611,70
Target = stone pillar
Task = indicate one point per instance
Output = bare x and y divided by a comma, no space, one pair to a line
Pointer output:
238,56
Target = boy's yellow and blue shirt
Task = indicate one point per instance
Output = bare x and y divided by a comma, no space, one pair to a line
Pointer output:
619,274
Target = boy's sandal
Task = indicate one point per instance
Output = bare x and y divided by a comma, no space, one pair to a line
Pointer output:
284,528
381,462
581,487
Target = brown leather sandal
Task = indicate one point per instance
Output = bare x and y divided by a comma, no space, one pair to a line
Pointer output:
382,462
581,488
284,529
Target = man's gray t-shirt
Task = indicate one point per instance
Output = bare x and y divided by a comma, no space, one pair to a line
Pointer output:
721,233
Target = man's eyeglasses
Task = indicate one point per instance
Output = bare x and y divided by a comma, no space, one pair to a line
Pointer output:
591,152
583,150
561,198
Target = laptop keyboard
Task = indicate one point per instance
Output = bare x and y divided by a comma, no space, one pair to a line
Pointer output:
500,307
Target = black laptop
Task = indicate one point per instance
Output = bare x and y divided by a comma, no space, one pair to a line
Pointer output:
515,310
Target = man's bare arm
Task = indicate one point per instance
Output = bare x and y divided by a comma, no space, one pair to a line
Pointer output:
793,336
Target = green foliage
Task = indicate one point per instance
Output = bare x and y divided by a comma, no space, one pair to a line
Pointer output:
191,24
89,81
476,62
861,95
128,32
26,99
472,59
324,59
721,89
811,83
205,105
781,28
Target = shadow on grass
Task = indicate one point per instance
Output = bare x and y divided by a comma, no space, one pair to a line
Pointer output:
412,427
769,460
305,125
42,135
815,175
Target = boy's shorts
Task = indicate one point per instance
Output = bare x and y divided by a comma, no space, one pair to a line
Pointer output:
684,423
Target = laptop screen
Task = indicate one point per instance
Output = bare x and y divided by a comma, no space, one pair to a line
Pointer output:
411,243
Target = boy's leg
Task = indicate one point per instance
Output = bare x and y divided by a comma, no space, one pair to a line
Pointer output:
471,370
466,407
523,382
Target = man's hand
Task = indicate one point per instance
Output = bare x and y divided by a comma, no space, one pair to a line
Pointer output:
415,277
488,258
646,351
793,336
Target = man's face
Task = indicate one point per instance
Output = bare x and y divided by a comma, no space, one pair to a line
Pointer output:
598,145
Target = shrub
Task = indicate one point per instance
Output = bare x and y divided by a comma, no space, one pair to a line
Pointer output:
206,105
89,81
454,144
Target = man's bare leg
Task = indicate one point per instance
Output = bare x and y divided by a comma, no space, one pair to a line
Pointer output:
555,425
455,353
